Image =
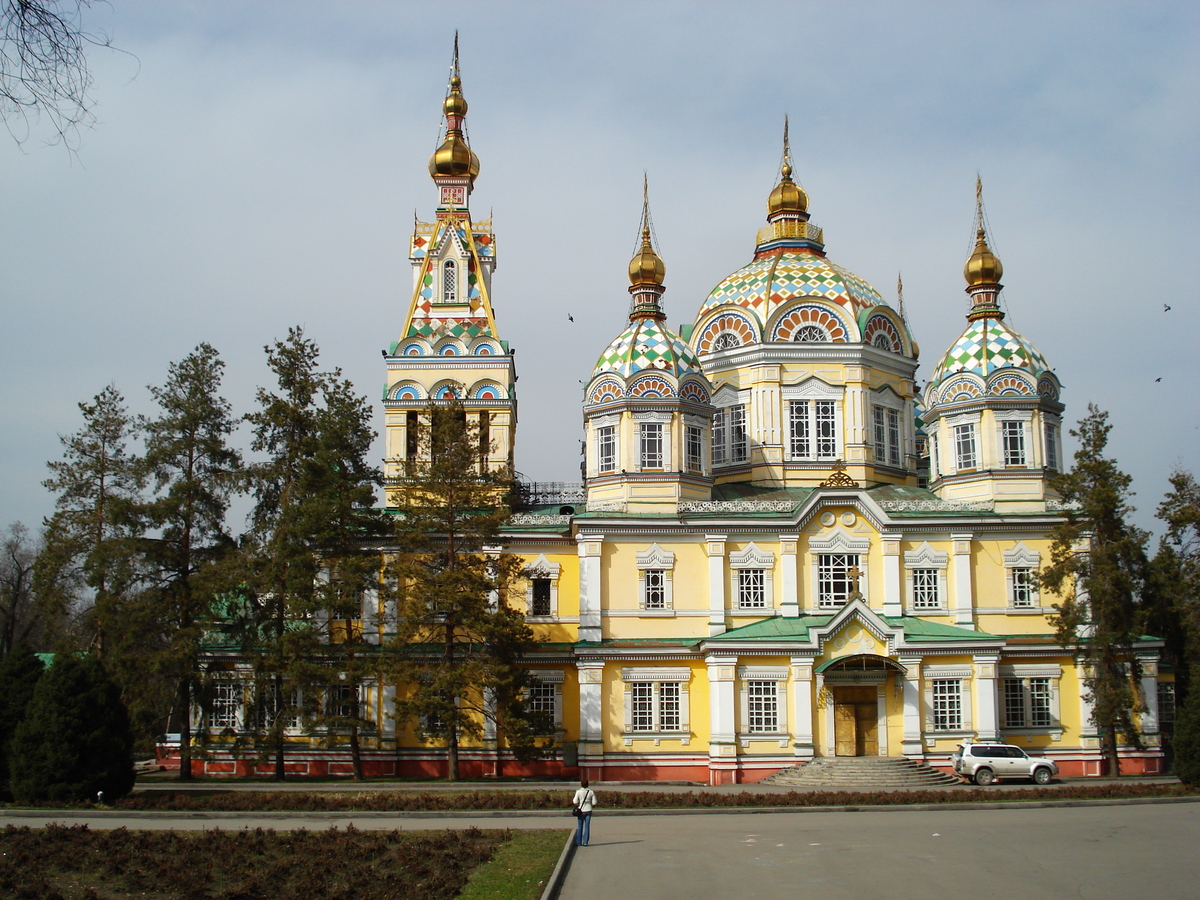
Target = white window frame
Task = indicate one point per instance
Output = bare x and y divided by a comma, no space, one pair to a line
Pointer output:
966,447
943,676
227,706
1014,444
450,281
806,407
656,559
1052,443
933,457
760,677
663,685
693,446
1019,562
839,542
1023,676
890,437
607,431
294,722
652,429
720,438
542,568
745,565
739,433
925,558
1167,707
552,679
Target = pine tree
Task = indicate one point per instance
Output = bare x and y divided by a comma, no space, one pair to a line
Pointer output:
1098,565
19,674
90,533
1177,577
1187,740
75,740
458,645
193,470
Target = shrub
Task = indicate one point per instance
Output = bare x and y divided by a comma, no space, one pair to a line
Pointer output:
75,739
1187,738
19,673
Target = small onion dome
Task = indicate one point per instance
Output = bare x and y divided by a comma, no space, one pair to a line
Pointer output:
646,268
984,266
454,157
788,197
456,103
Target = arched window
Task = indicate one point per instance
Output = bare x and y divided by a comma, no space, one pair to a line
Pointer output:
726,340
810,334
449,281
882,340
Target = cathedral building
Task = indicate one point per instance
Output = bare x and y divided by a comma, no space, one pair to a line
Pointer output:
782,549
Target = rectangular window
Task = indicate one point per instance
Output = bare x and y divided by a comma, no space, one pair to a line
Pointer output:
540,697
641,698
893,435
718,438
655,706
1051,446
540,605
880,432
813,429
1166,702
738,444
762,707
887,435
801,429
1039,703
652,445
1014,443
226,703
1024,595
606,448
751,589
1014,703
340,701
656,589
964,447
1028,703
834,581
693,448
925,589
947,704
668,706
933,456
268,706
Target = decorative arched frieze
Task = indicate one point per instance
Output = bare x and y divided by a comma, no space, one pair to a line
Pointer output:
487,390
811,322
651,386
605,391
738,327
447,390
880,331
407,390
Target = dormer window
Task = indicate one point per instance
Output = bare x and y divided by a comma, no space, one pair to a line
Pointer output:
449,282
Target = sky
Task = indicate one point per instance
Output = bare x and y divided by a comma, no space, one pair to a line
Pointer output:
258,165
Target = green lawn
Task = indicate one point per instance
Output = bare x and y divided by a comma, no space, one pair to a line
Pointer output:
520,869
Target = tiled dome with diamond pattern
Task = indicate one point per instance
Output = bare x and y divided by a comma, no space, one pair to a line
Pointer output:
648,345
770,282
986,346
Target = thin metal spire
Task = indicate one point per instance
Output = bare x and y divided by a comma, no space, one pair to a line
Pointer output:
900,296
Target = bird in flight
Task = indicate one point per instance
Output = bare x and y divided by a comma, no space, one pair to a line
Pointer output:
1157,380
1166,307
570,318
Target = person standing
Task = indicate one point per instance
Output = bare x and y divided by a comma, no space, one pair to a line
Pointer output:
582,804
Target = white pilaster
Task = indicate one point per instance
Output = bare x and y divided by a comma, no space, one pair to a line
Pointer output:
722,722
591,689
715,544
1149,723
891,575
964,598
589,547
987,723
790,606
802,706
912,744
1089,735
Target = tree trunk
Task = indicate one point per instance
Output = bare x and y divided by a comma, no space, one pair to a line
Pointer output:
185,729
277,727
1114,766
452,752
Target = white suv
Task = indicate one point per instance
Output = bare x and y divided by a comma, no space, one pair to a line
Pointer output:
984,763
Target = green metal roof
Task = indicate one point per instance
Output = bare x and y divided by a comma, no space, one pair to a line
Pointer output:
784,628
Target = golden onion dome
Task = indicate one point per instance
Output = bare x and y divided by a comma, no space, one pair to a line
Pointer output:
454,157
984,266
456,103
647,267
788,197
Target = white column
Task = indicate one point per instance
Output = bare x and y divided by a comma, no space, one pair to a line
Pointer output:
493,552
787,562
802,706
716,583
589,546
964,599
881,729
987,722
891,575
489,718
722,741
1089,736
387,722
912,745
591,685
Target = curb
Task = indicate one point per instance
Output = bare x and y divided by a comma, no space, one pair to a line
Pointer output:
552,813
559,875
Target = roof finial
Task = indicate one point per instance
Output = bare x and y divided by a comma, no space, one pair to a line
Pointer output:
645,206
788,197
454,73
646,269
900,296
978,206
786,169
983,269
454,157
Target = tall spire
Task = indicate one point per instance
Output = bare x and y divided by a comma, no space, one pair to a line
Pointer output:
646,269
900,296
454,164
983,269
788,198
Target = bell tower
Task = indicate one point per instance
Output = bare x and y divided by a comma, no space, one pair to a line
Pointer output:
449,347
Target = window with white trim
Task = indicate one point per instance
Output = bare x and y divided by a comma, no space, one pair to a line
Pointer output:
762,702
926,575
887,435
719,438
655,567
656,701
1021,567
539,602
834,578
225,709
966,454
543,695
752,578
934,472
1051,433
1030,695
813,432
268,704
1012,436
926,589
651,445
693,448
541,588
947,704
449,281
606,449
1166,702
738,442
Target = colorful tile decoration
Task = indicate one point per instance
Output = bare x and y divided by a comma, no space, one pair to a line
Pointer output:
770,282
986,346
647,344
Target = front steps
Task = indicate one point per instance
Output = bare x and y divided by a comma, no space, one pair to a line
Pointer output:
861,772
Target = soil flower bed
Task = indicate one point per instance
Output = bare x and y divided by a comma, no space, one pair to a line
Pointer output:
74,863
404,801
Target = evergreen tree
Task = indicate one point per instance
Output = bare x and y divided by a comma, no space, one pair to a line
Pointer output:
1187,740
193,470
1098,565
90,532
75,739
458,645
1177,577
19,674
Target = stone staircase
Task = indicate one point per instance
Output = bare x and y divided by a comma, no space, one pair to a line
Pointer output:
861,772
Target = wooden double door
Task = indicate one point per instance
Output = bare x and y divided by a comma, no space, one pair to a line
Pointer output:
855,721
